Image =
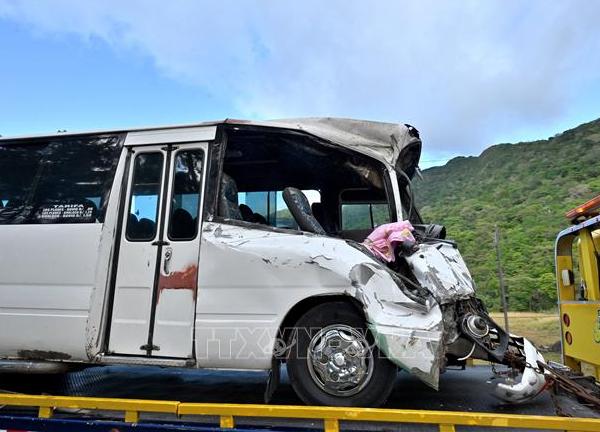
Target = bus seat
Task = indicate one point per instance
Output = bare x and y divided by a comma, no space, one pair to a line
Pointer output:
145,228
250,216
323,218
132,224
182,224
258,218
247,213
300,208
228,199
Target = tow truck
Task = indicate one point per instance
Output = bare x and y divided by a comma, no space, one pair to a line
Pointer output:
577,263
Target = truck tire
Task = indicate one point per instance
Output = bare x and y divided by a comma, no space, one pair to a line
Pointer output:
333,360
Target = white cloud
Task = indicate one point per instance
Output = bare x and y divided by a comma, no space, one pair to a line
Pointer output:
459,71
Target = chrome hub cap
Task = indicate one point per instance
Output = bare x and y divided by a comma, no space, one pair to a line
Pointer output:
340,360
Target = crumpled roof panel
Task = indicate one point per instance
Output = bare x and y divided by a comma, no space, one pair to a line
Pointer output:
381,140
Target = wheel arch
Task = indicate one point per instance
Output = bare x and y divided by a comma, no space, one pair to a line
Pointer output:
308,303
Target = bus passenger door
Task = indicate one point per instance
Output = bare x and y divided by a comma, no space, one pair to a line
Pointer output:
172,330
155,290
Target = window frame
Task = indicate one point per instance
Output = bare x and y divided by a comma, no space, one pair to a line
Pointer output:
276,192
370,204
174,155
217,165
130,196
390,206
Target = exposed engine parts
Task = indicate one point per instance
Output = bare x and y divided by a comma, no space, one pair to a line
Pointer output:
475,326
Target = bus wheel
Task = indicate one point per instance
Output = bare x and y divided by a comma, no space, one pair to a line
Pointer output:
334,360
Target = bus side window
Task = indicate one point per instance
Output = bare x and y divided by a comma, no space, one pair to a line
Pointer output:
364,215
145,197
58,180
185,199
269,208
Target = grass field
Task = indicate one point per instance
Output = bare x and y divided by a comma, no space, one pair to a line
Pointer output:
543,329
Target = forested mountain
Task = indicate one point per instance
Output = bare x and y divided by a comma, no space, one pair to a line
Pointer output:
525,188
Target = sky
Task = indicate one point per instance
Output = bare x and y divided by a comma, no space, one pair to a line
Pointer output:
467,74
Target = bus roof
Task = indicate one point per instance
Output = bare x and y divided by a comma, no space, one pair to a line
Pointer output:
384,141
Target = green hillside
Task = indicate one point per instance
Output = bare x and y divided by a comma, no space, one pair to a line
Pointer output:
525,188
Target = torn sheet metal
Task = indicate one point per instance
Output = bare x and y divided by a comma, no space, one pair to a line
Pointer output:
381,140
440,268
408,335
293,266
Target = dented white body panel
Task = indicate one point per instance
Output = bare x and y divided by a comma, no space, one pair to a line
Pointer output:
276,270
440,268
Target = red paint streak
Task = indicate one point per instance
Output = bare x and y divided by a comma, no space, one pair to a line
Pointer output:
183,279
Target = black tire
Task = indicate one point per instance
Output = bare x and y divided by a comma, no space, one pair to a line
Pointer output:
381,383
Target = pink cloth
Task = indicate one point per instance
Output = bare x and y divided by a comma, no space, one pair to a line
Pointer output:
384,239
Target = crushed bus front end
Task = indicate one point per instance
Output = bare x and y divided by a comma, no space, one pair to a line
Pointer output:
435,320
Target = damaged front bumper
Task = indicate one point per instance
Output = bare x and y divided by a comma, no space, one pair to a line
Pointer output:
532,380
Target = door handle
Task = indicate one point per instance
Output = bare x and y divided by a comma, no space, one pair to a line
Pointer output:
168,255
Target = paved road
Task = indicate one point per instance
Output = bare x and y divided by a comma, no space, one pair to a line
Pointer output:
459,390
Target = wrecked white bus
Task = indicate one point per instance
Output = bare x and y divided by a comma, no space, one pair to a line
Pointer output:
236,245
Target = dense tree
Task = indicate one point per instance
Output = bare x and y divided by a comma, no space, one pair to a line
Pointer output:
525,189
